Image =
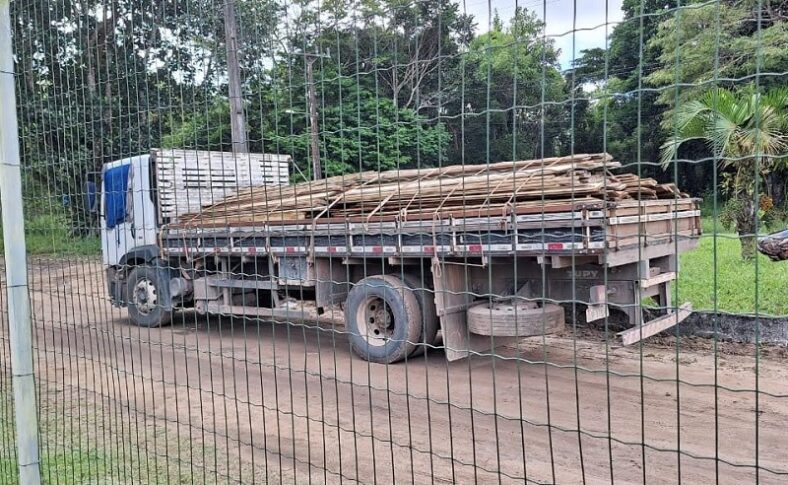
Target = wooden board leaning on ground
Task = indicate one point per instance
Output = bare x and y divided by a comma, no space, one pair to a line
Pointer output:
546,185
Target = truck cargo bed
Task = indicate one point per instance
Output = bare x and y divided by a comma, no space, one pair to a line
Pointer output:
588,229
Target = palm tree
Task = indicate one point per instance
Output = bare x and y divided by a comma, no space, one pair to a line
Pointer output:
748,131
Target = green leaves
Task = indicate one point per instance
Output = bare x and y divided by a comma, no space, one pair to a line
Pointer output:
735,126
747,131
364,132
704,43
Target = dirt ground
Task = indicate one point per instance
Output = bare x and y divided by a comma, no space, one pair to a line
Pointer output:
290,403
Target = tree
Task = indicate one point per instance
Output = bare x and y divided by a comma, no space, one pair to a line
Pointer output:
512,84
633,116
714,43
587,88
101,80
725,43
612,109
359,131
749,132
363,132
589,68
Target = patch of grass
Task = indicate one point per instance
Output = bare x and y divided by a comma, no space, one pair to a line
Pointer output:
49,234
737,281
75,465
85,441
8,467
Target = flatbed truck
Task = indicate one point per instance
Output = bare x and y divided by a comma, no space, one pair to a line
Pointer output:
465,282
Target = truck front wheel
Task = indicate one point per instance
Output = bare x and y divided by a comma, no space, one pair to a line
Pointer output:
145,297
383,318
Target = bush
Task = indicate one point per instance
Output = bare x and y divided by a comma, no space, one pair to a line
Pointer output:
52,234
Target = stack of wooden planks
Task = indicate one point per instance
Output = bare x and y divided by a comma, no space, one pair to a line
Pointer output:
549,185
187,180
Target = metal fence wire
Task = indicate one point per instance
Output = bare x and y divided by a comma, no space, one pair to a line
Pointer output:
394,241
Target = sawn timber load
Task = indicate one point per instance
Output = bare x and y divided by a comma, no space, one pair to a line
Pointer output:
564,206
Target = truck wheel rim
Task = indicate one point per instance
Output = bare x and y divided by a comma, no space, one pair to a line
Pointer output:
145,296
376,321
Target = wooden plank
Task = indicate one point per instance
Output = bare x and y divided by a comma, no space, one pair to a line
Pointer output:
658,279
259,284
613,221
188,180
653,327
539,187
296,314
622,235
645,240
634,254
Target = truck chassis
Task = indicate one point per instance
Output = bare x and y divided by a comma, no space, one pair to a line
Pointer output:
594,255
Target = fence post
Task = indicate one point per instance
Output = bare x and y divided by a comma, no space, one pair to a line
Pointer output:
21,331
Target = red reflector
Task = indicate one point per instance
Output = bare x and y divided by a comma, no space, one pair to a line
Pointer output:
555,246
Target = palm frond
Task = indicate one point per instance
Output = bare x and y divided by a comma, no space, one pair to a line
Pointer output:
687,114
737,126
722,132
670,148
777,98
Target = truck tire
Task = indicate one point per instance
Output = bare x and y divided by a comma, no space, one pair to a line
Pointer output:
144,297
514,319
429,315
383,318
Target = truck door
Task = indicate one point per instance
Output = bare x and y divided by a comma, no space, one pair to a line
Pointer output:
128,215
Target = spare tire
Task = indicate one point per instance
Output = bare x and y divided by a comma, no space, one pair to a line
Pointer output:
508,318
383,318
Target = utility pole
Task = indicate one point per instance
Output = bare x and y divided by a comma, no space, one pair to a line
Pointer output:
317,172
237,116
20,324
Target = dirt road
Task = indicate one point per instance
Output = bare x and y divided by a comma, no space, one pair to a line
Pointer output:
290,403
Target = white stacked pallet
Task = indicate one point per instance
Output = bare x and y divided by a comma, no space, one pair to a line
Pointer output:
188,180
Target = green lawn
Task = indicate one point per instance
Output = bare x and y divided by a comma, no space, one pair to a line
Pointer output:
72,464
740,287
49,235
76,449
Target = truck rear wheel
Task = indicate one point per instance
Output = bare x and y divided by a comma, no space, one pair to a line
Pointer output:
429,315
144,297
384,319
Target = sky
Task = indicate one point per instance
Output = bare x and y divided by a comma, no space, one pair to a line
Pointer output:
587,16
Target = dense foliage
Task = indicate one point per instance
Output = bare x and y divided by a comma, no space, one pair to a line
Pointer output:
746,131
399,84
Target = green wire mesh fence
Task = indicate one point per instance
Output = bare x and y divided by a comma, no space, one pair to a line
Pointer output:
403,241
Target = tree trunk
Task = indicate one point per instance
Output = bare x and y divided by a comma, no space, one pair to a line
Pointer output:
235,94
776,183
317,172
745,227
